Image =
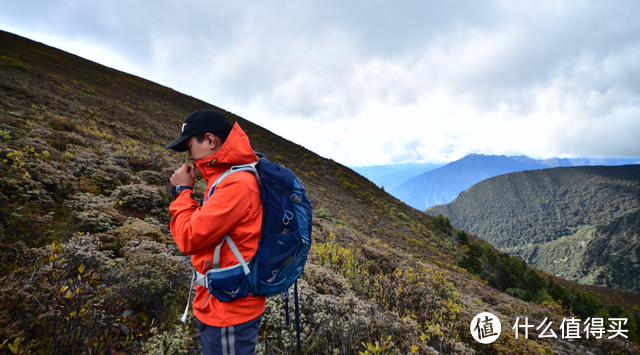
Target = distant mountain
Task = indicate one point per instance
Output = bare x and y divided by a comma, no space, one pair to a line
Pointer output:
392,175
605,255
442,185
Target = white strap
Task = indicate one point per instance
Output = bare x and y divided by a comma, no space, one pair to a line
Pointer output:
200,280
186,310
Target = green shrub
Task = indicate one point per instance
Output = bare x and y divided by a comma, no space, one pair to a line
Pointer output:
462,237
442,223
542,296
18,66
323,213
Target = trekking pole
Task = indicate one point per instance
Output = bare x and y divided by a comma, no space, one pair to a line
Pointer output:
295,289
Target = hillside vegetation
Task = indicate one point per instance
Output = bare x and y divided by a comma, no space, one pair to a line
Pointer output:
539,206
87,265
605,255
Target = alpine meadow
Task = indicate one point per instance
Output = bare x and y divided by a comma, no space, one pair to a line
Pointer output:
88,265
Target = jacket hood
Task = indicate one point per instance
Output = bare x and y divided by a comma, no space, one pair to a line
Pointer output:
236,150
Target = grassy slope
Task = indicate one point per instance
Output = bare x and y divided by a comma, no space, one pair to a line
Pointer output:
103,128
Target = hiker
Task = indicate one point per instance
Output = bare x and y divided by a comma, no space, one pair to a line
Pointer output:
214,145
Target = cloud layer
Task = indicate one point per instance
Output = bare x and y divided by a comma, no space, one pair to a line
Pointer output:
371,82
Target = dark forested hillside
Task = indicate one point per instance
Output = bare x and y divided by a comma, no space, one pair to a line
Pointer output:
606,254
87,265
540,206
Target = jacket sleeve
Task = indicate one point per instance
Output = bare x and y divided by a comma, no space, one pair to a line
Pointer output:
194,228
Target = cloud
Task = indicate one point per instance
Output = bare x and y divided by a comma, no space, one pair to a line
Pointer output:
408,153
455,77
448,149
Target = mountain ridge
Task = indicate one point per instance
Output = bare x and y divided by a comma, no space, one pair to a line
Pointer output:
390,176
509,194
442,185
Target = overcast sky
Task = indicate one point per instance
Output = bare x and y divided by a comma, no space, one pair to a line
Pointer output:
373,82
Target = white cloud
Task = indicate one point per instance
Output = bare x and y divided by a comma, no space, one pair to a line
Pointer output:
370,83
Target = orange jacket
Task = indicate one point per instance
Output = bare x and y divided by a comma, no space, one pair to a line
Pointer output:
235,208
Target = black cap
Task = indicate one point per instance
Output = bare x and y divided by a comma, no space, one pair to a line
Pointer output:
203,121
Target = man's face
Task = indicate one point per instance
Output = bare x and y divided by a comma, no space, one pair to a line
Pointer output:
197,150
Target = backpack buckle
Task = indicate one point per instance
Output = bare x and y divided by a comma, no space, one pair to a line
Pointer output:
296,199
284,294
288,216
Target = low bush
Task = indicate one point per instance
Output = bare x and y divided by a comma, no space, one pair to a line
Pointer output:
150,278
154,178
143,157
82,202
134,228
85,249
23,190
53,306
139,197
95,221
325,281
172,342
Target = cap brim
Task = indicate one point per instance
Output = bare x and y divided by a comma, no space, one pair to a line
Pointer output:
179,145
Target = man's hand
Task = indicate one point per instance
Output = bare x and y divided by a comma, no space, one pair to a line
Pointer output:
185,176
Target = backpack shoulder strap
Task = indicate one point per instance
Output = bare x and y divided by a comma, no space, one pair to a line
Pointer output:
234,169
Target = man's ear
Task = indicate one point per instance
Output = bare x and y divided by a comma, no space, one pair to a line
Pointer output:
213,141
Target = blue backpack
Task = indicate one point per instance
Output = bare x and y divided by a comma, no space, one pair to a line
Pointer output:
284,244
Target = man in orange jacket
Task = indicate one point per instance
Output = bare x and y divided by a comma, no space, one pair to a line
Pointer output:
235,208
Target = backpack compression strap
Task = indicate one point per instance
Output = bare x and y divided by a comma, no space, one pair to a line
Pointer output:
236,252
